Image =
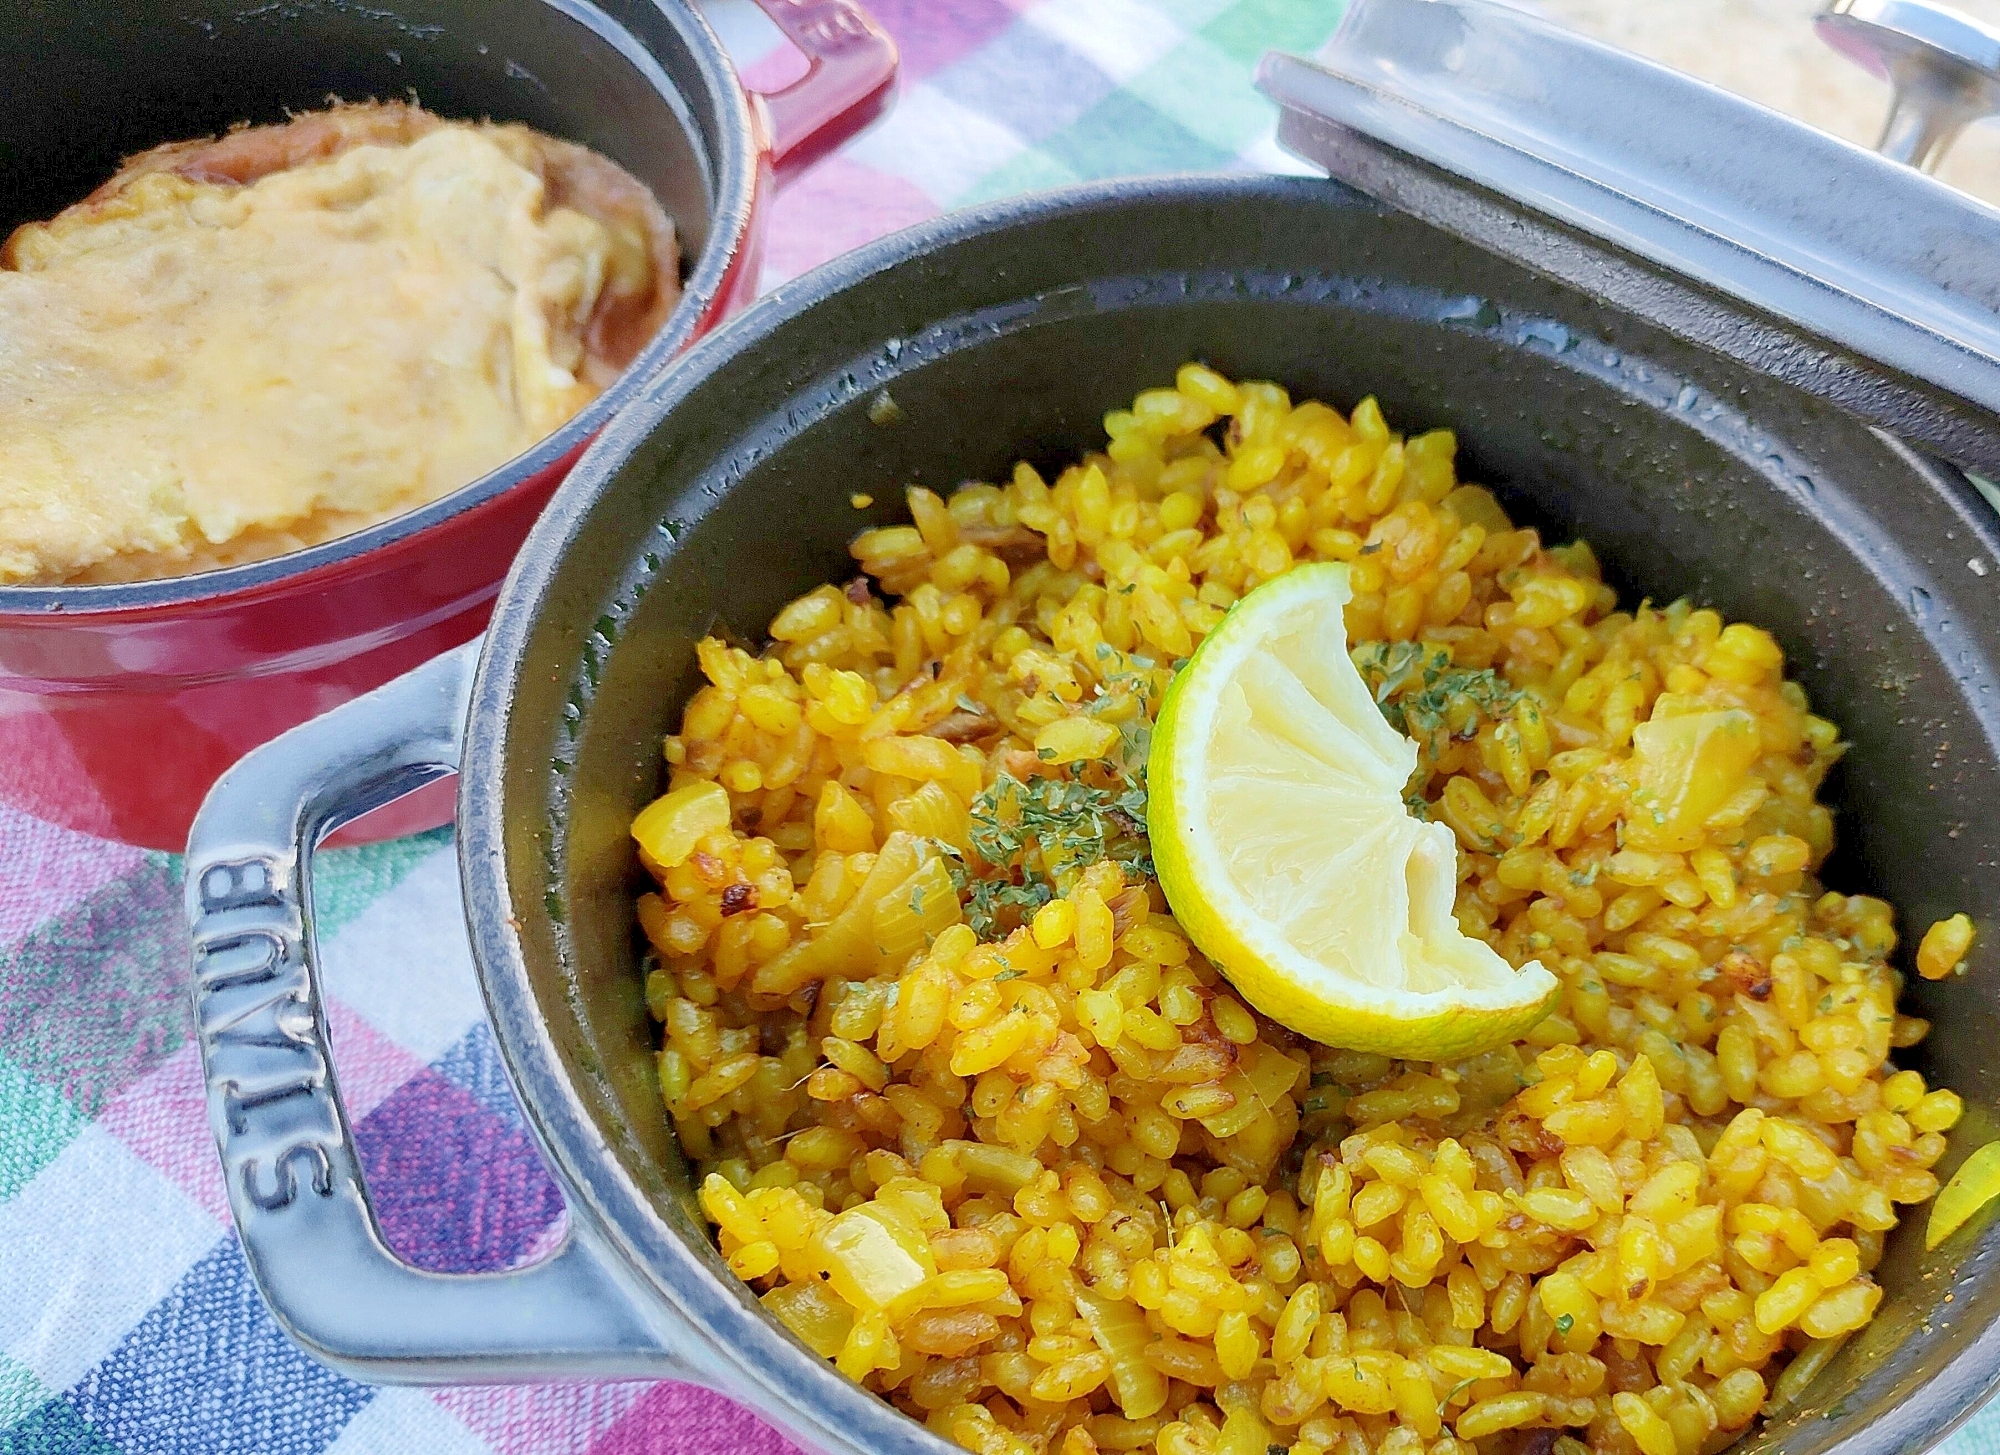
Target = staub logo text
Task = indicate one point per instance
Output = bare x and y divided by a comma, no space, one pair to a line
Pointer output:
267,1071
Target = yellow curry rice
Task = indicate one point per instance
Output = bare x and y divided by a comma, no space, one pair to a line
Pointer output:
983,1129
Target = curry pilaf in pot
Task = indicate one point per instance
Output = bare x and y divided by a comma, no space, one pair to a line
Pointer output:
983,1126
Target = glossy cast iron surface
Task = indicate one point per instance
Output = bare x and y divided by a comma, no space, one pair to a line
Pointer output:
1009,332
1001,333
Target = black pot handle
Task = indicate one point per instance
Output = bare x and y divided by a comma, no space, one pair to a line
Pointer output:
309,1235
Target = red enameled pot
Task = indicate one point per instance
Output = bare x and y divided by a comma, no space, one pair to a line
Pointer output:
120,705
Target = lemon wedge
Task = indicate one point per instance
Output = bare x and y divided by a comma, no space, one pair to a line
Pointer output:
1285,849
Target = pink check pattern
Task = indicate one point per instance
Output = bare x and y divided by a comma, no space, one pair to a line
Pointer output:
128,1322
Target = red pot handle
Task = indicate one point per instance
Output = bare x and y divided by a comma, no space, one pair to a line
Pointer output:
850,72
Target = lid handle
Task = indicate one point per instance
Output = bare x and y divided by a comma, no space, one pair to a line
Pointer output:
1944,68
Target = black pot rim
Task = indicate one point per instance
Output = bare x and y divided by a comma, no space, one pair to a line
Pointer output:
734,166
739,1346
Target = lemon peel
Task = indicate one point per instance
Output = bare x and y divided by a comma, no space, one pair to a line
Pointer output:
1976,1183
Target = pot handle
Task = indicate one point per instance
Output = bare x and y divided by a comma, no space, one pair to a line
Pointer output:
295,1186
851,70
1944,69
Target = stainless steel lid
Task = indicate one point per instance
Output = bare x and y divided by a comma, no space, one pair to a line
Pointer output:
1860,280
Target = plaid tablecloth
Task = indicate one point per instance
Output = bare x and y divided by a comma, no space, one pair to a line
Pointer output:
128,1322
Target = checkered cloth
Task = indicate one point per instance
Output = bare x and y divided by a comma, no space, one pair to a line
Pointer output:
128,1322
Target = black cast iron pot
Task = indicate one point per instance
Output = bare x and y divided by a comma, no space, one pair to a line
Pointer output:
1007,332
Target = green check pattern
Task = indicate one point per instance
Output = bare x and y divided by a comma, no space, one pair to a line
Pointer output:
128,1322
